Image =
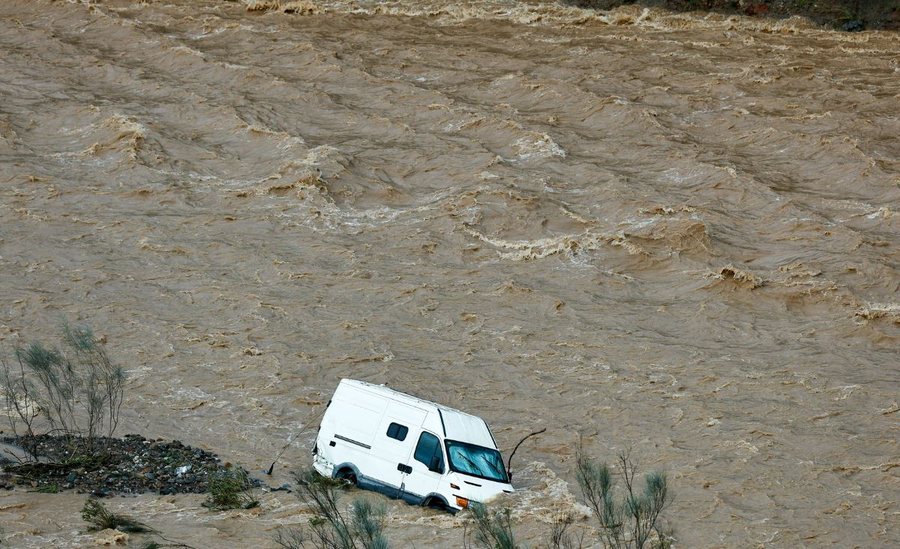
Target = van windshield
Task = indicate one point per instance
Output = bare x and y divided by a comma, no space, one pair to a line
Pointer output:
477,461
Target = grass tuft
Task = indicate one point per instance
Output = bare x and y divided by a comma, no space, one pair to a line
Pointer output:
52,488
102,518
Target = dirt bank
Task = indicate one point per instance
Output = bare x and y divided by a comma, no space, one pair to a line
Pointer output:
848,15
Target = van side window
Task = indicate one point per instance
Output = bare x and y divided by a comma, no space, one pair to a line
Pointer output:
397,431
428,451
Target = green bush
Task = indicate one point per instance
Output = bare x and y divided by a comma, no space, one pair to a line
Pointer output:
631,519
101,518
332,528
76,390
492,529
230,489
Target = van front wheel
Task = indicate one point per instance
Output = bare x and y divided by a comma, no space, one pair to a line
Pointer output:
347,475
436,503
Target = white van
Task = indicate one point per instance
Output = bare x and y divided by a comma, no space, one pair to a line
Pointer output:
405,447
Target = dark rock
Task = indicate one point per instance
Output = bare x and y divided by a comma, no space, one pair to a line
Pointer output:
853,26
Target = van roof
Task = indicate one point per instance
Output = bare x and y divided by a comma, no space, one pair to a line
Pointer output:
457,425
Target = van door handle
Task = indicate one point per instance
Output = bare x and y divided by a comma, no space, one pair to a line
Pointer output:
404,468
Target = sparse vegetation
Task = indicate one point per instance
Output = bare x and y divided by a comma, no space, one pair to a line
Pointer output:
332,528
492,528
20,404
77,391
629,521
561,538
230,489
51,488
101,518
628,517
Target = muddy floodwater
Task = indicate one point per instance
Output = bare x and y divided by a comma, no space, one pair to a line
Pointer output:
675,233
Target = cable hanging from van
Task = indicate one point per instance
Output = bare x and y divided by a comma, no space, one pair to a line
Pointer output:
292,438
509,460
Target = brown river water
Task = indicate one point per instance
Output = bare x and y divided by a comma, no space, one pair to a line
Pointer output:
675,233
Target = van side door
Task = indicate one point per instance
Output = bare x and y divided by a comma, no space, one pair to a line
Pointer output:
393,443
425,467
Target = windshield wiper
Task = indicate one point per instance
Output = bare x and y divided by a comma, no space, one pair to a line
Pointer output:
496,469
472,463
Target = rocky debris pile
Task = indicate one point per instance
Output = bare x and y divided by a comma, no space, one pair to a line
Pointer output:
116,466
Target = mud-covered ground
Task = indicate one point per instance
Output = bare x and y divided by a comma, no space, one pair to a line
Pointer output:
675,232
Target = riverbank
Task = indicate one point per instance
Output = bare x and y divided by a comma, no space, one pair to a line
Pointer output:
847,15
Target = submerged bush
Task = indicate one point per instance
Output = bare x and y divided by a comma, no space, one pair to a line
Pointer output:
102,518
561,538
492,527
628,517
332,528
632,519
230,489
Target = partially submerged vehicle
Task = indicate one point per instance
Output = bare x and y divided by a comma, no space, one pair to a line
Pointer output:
408,448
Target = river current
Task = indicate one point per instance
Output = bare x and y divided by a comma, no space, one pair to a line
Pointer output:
675,233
